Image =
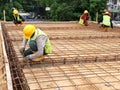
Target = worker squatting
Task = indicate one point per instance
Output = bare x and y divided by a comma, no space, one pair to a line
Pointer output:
39,43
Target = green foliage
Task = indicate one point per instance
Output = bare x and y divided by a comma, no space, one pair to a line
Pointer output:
7,7
64,13
17,5
60,10
53,12
97,6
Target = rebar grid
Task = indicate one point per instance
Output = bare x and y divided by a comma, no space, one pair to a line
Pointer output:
75,76
67,50
79,51
62,31
75,50
19,81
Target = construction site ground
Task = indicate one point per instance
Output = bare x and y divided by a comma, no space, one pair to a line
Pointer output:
83,58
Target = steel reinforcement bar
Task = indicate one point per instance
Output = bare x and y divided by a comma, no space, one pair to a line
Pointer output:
72,53
18,78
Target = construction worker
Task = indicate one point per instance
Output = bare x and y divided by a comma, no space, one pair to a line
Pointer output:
106,21
106,10
18,19
39,43
13,8
84,18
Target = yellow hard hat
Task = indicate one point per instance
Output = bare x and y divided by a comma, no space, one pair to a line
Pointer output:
105,10
15,11
106,13
85,11
28,31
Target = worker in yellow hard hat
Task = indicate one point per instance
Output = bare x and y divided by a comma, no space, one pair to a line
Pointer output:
84,18
39,43
18,19
106,21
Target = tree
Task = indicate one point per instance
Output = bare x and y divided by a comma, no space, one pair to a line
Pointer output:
62,10
97,6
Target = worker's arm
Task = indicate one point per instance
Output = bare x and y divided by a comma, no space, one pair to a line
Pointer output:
22,49
41,40
21,18
111,23
84,17
100,20
14,19
24,42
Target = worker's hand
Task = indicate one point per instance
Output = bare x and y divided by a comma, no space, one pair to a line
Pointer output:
22,50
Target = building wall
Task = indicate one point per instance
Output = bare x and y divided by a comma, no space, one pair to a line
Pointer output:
114,7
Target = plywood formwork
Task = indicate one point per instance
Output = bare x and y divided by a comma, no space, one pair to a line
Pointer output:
70,45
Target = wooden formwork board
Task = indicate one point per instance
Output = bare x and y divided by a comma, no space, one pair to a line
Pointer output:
85,76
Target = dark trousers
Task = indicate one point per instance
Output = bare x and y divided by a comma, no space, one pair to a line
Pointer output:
107,26
17,22
32,48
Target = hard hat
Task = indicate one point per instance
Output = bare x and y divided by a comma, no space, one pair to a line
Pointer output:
28,31
105,10
13,8
15,11
85,11
106,13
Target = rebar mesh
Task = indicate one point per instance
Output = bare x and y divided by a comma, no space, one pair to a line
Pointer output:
70,45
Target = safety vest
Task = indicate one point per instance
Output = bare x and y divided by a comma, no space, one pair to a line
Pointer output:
48,48
81,21
17,17
106,20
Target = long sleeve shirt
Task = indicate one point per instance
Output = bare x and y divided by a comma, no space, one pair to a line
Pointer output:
85,17
40,41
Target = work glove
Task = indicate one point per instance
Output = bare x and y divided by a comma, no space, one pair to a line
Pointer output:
22,50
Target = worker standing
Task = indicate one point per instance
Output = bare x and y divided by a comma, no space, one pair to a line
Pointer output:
84,18
106,21
18,19
39,43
